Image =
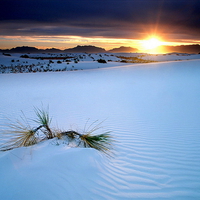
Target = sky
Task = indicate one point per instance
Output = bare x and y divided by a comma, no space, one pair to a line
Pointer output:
104,23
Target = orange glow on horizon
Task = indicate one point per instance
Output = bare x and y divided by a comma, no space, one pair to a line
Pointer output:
152,44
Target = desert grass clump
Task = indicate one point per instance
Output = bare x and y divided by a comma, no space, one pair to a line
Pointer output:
44,121
101,142
20,134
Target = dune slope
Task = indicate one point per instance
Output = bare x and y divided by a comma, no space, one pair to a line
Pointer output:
152,110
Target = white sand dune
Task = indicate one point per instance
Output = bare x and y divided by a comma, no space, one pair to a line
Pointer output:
153,112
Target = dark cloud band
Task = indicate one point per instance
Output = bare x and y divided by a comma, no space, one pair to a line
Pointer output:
109,18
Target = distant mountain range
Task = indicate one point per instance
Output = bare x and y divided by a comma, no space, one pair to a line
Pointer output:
87,49
194,48
123,50
77,49
82,49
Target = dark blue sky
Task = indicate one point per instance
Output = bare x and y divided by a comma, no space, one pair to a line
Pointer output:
174,19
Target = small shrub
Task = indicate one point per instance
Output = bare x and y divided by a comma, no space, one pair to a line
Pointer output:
101,61
6,54
21,134
24,56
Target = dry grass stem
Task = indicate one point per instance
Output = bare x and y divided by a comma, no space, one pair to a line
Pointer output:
19,135
44,120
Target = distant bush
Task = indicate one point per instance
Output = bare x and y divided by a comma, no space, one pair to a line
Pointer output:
24,56
59,62
6,54
101,61
134,60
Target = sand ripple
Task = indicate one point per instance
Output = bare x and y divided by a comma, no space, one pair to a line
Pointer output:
153,113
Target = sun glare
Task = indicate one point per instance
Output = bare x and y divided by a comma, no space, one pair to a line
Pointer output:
151,43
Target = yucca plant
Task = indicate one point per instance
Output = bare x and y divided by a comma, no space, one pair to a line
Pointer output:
101,142
89,139
19,134
44,120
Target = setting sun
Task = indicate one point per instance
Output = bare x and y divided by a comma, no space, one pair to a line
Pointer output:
151,43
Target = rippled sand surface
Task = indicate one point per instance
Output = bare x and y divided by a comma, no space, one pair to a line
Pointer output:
153,112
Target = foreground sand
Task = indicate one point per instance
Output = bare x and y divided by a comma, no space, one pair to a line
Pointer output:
153,112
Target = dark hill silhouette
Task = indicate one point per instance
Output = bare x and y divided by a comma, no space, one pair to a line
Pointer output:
53,50
85,49
193,48
27,49
24,49
123,49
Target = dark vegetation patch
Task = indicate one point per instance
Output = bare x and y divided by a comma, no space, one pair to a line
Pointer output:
134,60
101,61
47,57
24,56
6,54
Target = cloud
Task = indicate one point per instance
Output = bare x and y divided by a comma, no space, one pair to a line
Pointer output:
107,18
